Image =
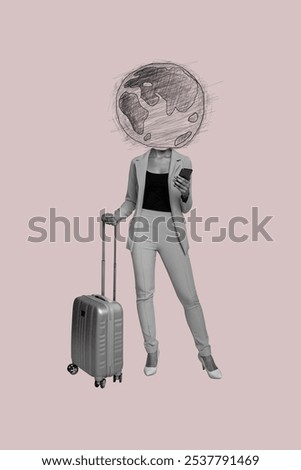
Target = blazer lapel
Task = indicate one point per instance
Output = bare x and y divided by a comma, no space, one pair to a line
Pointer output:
175,165
141,166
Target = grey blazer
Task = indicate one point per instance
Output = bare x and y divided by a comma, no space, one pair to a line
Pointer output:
135,193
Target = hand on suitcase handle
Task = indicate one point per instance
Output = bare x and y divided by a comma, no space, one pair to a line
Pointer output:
110,219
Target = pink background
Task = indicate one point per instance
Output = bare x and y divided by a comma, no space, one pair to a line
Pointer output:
60,147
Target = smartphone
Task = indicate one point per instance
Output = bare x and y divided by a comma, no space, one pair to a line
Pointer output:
186,173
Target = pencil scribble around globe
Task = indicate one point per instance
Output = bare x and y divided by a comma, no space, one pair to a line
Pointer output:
160,105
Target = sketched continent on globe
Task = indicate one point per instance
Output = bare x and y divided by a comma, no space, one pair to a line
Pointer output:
136,114
173,84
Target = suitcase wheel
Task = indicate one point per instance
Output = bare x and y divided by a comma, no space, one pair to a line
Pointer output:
100,383
73,369
117,377
103,383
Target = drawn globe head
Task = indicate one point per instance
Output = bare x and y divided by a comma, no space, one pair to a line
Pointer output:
160,105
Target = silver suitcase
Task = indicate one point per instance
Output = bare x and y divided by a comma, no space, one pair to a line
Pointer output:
97,331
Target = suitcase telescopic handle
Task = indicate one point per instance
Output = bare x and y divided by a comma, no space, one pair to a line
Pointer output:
103,260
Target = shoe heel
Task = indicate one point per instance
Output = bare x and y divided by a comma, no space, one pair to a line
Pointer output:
202,361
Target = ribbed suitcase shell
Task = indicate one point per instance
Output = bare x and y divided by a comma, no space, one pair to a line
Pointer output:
97,336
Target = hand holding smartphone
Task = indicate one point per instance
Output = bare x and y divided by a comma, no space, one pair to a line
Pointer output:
186,173
183,186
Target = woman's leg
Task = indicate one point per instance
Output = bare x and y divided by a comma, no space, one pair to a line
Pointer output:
144,258
179,269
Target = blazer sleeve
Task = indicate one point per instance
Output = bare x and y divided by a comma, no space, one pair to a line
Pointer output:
187,205
130,201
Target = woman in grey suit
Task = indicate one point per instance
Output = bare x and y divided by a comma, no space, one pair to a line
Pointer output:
159,197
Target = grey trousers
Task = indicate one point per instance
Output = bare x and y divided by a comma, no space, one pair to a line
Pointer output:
179,270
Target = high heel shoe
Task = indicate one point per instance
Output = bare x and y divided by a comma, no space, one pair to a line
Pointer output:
213,374
151,363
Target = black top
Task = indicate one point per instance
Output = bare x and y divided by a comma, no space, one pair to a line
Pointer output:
156,195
